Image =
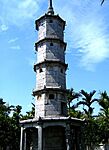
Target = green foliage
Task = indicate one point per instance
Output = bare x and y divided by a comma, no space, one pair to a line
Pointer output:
10,117
104,103
9,126
71,96
91,133
96,129
87,100
104,116
29,114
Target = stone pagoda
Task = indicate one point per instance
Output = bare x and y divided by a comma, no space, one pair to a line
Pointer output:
51,128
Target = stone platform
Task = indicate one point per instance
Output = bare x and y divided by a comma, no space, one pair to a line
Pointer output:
56,133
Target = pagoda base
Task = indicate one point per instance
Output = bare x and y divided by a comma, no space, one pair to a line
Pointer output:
59,133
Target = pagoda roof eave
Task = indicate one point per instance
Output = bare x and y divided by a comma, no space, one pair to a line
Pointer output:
53,119
51,39
49,16
50,61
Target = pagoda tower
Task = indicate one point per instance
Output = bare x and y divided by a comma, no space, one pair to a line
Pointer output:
51,128
50,68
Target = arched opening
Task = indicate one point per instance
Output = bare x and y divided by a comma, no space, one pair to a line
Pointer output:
31,139
75,137
54,138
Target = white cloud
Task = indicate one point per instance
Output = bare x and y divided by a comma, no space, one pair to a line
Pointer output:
92,44
4,27
87,32
87,28
16,47
13,45
13,40
18,12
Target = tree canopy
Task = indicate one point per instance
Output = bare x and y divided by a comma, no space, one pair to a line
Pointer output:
95,129
10,117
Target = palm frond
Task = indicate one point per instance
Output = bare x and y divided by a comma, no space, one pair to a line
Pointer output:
102,2
94,100
92,93
82,103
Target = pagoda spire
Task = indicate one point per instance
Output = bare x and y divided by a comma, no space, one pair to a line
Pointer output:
50,8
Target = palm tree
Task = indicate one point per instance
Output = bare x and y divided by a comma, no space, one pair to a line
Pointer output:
102,2
90,127
71,96
104,116
87,100
104,103
29,114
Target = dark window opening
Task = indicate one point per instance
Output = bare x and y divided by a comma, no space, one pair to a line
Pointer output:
51,21
40,70
62,71
51,44
51,96
63,108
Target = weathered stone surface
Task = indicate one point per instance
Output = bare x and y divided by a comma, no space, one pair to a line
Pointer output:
50,67
54,138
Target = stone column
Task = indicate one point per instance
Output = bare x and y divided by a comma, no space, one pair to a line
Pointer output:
68,137
67,143
40,141
24,140
21,139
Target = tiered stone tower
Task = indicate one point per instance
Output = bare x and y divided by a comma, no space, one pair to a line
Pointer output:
51,128
50,92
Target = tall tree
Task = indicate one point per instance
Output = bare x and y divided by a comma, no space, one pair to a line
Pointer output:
104,103
71,96
87,100
15,127
90,127
5,123
104,116
9,126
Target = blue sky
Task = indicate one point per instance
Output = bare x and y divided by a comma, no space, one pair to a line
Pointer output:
87,54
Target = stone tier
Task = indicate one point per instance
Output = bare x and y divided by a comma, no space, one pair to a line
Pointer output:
49,62
47,89
50,39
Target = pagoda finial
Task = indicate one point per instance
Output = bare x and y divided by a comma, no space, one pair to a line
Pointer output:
50,8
